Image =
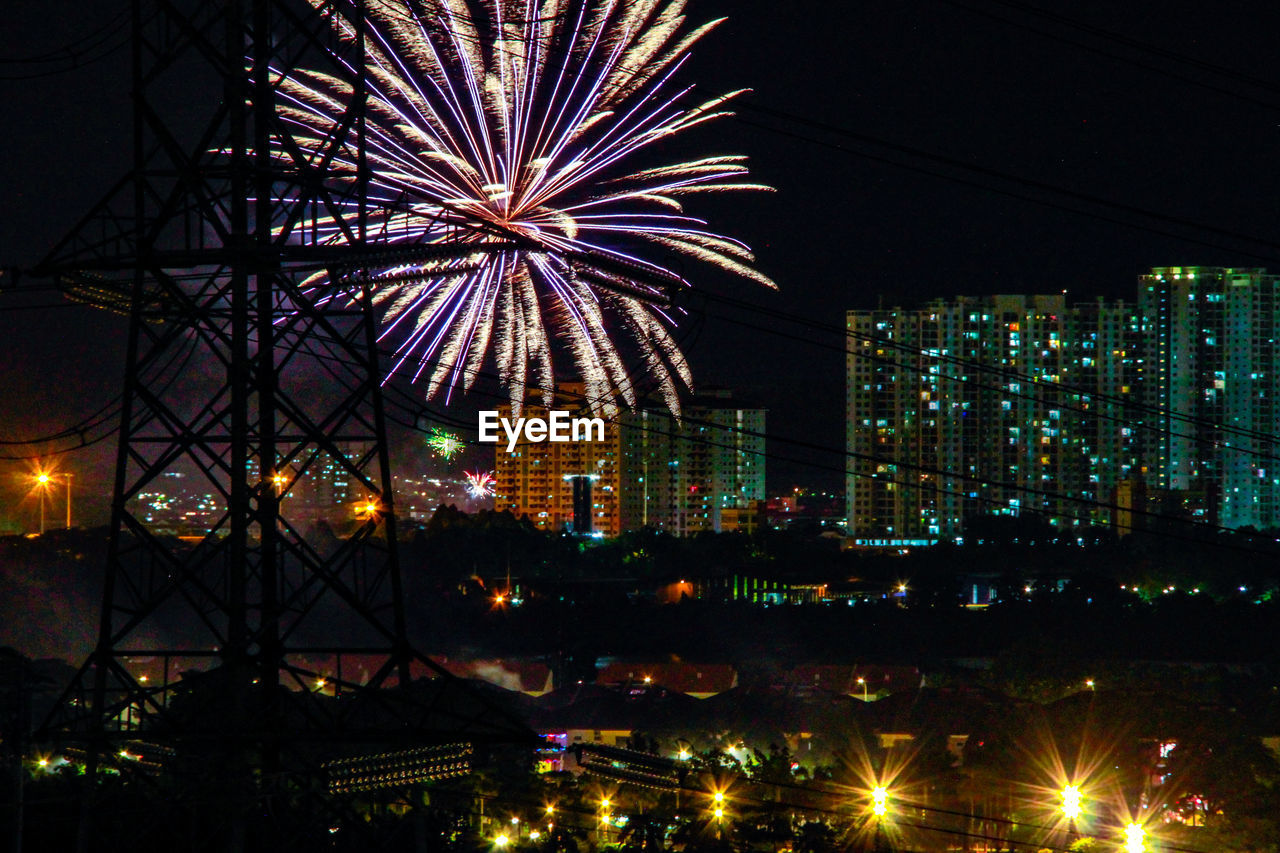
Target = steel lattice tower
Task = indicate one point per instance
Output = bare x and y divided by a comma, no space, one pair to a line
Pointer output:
246,381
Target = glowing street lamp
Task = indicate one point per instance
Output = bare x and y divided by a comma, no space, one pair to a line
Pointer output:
863,682
41,481
606,817
1071,802
879,801
1135,838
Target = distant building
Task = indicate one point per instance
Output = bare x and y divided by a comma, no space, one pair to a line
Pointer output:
699,680
743,519
1001,404
682,476
538,479
1102,412
1214,378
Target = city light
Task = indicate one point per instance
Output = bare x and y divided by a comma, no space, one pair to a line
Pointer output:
879,801
1135,838
501,840
41,482
1071,801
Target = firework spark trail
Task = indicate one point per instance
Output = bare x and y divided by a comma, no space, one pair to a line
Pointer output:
444,444
480,484
514,126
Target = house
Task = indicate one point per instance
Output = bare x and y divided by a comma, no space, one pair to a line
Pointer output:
699,680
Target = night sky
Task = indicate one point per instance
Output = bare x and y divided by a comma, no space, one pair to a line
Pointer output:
919,149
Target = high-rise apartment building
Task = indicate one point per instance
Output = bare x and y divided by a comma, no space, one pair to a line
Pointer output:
1212,390
1010,403
651,469
679,475
540,479
993,405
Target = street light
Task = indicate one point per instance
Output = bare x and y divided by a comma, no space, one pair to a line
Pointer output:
717,812
42,484
1135,838
602,829
43,481
879,801
863,682
1071,802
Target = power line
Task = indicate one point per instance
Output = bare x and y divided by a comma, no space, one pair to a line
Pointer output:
1105,35
1141,46
745,104
999,372
75,46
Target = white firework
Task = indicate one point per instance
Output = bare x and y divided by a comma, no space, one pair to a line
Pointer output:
524,137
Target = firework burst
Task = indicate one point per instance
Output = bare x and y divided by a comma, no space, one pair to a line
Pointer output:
515,142
480,484
444,444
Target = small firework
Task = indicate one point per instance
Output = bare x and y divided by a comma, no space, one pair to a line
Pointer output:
444,444
480,484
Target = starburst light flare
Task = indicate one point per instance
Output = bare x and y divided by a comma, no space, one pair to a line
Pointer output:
521,145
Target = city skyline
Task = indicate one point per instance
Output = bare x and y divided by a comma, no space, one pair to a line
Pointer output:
1076,412
345,235
1076,478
